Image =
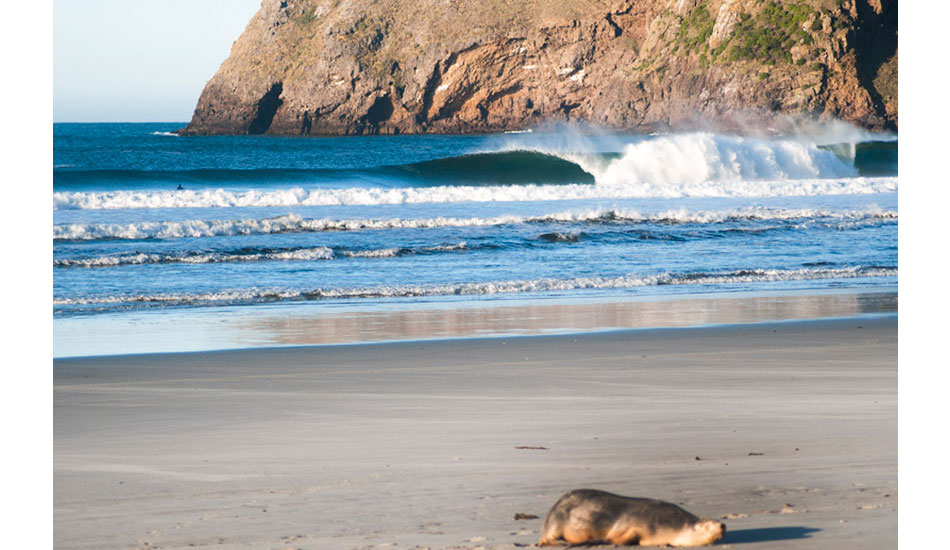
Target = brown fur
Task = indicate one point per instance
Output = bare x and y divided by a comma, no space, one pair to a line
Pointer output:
589,516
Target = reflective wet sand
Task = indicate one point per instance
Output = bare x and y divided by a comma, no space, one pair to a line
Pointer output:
306,325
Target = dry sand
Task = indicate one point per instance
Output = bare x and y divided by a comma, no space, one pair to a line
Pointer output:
786,430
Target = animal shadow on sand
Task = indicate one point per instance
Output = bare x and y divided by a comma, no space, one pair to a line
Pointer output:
741,536
767,534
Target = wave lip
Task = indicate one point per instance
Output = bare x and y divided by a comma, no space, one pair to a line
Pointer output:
506,167
234,297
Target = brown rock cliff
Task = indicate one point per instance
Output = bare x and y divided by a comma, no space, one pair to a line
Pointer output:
308,67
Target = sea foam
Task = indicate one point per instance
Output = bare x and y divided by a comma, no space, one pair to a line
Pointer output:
293,223
298,196
296,254
582,225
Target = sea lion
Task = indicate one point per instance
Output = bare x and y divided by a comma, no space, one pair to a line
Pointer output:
591,516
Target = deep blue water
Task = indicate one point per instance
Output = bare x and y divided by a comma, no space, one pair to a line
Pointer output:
146,220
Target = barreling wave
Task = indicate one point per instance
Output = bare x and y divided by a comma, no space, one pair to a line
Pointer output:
293,223
252,296
512,167
668,166
870,158
251,255
660,161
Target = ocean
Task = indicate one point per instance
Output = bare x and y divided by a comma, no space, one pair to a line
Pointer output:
169,243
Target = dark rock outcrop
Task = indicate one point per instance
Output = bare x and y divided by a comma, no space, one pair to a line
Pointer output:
311,67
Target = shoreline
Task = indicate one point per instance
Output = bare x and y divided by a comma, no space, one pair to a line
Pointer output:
354,324
786,430
484,339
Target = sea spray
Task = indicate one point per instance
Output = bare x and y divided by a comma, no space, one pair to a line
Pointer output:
705,156
667,162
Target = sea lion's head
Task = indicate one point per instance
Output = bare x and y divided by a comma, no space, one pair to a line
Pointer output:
709,530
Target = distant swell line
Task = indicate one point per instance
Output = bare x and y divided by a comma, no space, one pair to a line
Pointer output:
293,223
249,296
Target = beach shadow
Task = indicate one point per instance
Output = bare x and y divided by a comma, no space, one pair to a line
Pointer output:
767,534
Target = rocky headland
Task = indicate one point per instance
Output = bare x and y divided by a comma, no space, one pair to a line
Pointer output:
337,67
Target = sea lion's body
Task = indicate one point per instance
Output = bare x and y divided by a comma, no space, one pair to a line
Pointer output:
591,516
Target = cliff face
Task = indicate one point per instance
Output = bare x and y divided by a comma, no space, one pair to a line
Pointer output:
306,67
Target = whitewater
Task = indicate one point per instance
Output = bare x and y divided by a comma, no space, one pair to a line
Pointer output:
147,221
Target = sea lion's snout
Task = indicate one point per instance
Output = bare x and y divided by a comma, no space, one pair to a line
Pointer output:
710,530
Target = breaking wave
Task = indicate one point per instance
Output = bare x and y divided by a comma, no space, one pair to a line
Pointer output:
250,296
298,196
667,166
250,255
293,223
690,159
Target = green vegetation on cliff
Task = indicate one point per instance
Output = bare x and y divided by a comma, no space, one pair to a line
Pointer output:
768,36
696,27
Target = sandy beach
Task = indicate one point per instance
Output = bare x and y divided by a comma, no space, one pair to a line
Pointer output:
786,430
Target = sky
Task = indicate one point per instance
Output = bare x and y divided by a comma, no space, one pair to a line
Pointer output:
139,60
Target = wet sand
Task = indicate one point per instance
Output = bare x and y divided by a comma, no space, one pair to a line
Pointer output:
322,324
787,430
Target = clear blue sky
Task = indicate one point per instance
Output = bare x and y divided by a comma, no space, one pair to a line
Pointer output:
139,60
